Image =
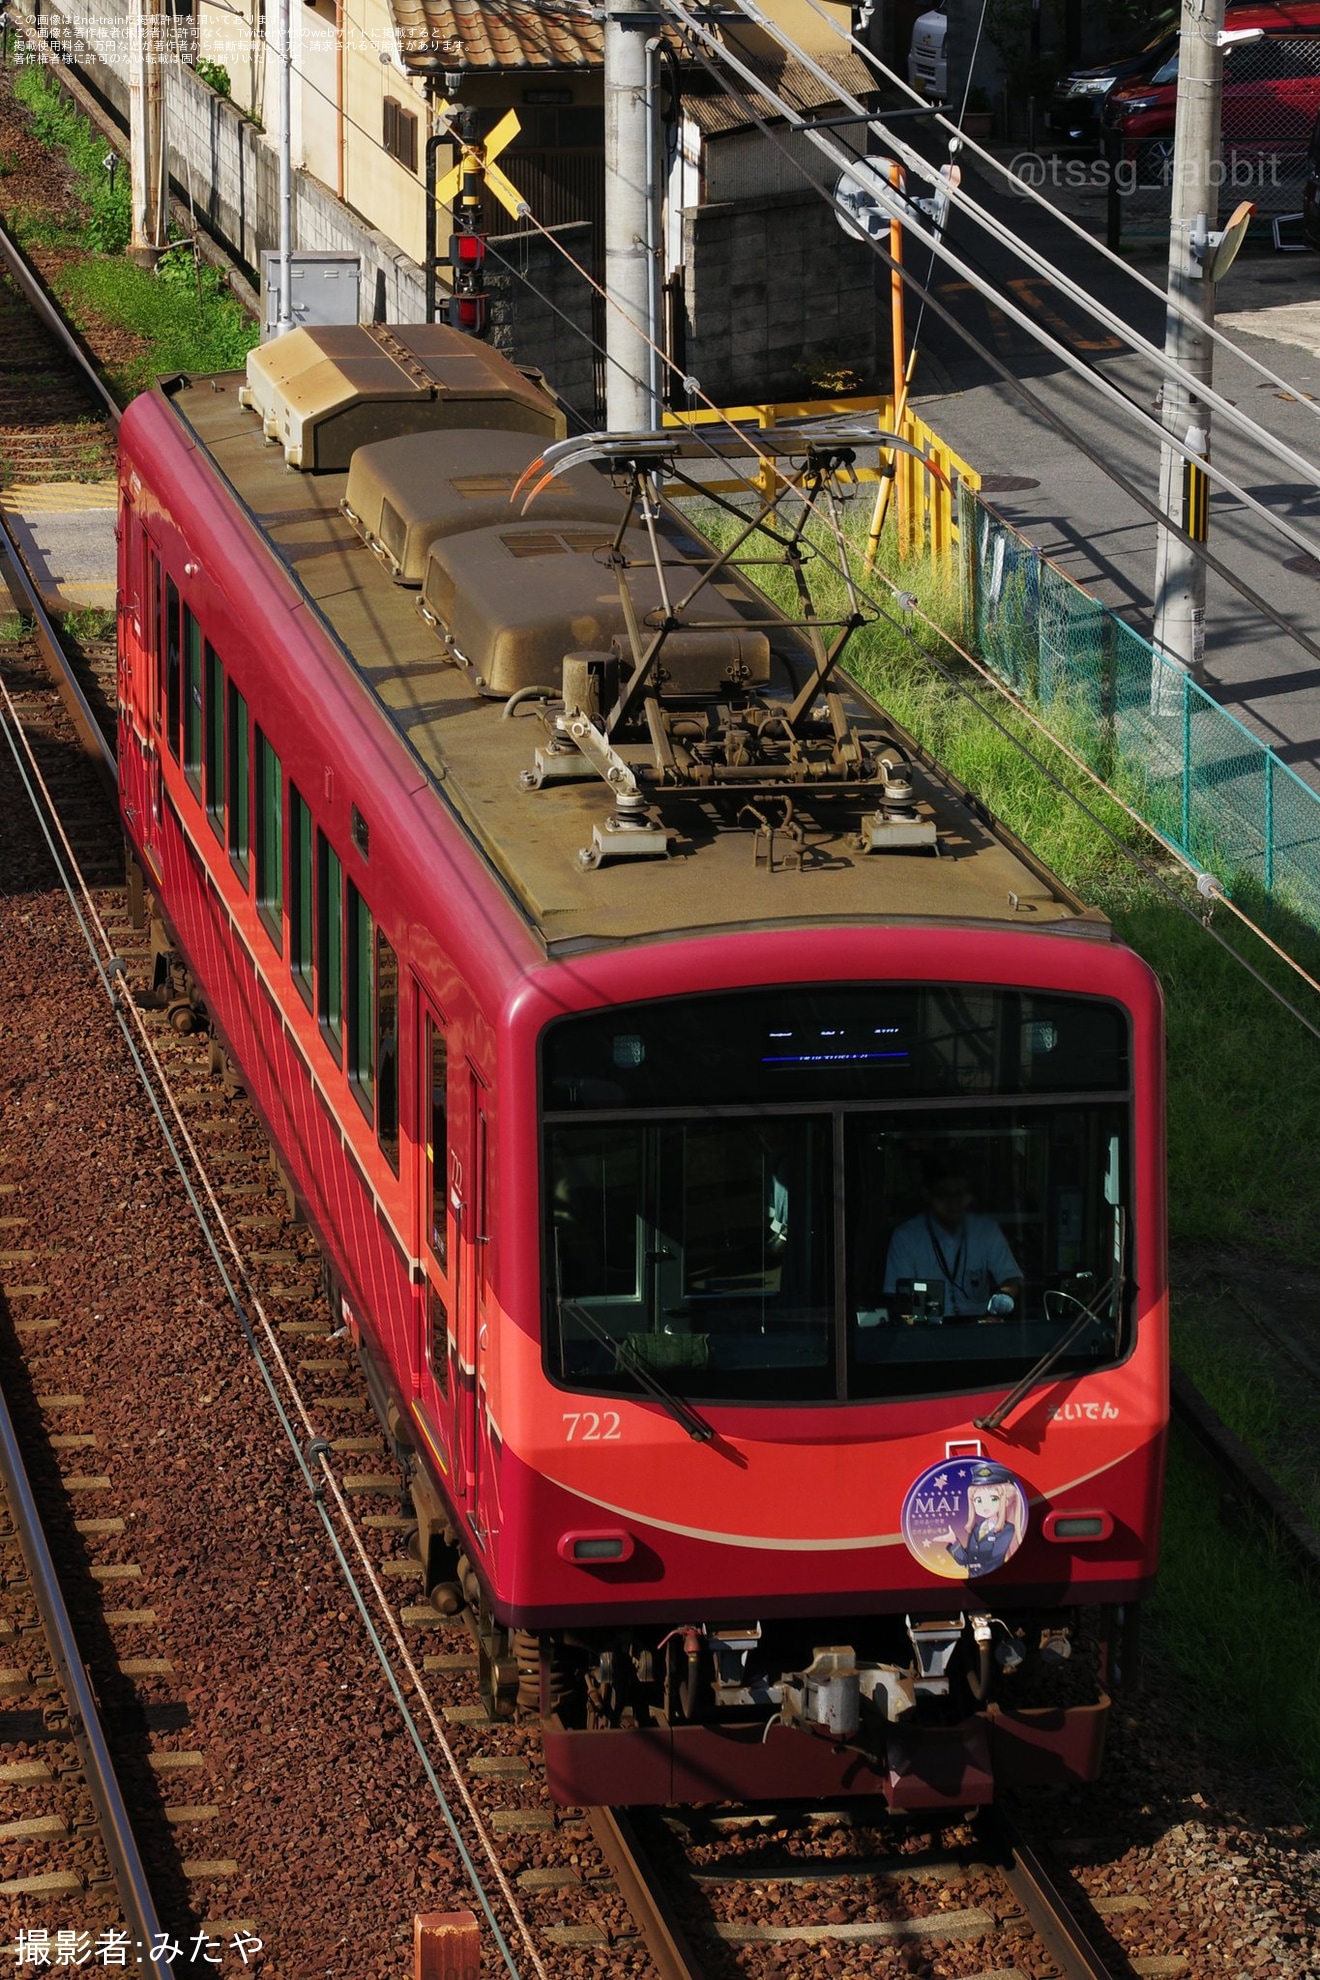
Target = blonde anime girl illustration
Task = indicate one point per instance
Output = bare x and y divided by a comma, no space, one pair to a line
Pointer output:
996,1523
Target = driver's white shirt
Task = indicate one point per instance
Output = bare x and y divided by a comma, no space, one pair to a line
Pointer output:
972,1260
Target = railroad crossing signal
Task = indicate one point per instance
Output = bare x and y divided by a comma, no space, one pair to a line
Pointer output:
477,161
469,305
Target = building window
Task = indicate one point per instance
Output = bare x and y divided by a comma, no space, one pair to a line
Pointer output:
270,840
330,944
387,1051
192,702
361,1000
238,766
172,660
400,133
215,742
300,893
437,1222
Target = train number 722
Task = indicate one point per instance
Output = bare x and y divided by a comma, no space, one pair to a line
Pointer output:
590,1426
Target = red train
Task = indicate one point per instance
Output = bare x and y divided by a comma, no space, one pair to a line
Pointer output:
739,1161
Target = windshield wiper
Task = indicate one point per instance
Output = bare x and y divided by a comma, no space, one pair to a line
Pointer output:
630,1363
1002,1411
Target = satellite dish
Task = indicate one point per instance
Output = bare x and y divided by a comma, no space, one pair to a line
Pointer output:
865,201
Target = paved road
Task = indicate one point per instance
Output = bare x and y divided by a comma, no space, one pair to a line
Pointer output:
1271,303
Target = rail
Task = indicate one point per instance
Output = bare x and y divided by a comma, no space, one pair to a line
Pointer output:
27,601
998,1846
48,310
84,1719
18,581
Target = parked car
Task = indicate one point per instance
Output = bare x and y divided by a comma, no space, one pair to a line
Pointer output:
1311,189
1077,105
1074,109
1271,101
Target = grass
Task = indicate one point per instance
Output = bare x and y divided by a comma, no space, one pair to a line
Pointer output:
1235,1625
183,313
1243,1075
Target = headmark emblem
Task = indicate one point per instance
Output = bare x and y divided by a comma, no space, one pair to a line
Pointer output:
965,1517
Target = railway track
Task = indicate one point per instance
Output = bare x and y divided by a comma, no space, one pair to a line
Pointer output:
101,1881
570,1891
854,1884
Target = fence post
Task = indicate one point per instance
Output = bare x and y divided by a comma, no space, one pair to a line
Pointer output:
1269,822
1186,757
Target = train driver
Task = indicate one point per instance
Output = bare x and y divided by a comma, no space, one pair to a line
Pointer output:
955,1245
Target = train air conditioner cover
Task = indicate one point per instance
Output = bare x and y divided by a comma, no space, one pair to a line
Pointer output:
512,602
404,494
325,390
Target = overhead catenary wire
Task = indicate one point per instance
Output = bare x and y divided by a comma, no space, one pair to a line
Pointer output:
1111,393
1043,411
228,1260
1024,189
1201,915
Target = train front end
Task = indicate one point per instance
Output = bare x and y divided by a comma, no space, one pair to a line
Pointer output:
834,1394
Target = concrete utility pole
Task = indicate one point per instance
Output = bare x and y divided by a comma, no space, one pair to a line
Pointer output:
1179,575
629,170
146,131
284,318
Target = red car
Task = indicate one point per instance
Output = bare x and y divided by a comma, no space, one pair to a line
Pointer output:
1271,100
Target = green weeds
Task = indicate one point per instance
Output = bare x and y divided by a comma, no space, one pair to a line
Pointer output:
1233,1621
184,314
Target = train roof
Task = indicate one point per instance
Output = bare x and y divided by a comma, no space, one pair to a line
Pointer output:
721,869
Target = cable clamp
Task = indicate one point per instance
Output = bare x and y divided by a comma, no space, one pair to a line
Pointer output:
1210,891
318,1447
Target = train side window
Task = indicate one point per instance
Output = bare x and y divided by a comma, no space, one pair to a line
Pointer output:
300,892
192,702
173,665
437,1115
361,1011
270,840
239,785
330,944
215,742
438,1344
387,1051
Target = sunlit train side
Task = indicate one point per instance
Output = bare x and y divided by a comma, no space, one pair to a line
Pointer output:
750,1213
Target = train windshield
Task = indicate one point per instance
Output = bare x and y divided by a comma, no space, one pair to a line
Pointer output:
848,1193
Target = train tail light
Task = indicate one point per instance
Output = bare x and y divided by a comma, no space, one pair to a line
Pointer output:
1071,1528
589,1549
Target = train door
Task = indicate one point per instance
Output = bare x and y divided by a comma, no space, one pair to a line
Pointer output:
438,1375
468,1203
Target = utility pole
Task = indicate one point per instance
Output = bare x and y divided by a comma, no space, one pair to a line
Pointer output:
629,168
284,319
1194,209
146,130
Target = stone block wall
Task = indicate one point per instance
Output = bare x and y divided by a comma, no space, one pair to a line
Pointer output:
771,283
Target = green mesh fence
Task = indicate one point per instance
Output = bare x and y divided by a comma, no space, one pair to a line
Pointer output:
1186,766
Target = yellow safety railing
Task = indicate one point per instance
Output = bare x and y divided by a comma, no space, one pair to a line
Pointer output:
925,493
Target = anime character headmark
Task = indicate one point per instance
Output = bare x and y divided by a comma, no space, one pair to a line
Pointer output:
996,1521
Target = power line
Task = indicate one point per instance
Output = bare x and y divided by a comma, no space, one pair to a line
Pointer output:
1023,189
845,161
